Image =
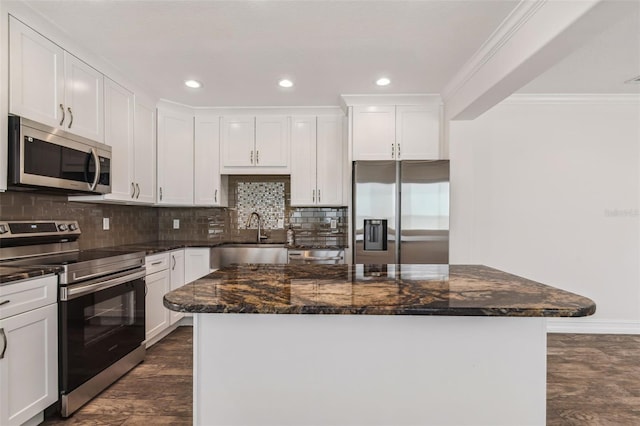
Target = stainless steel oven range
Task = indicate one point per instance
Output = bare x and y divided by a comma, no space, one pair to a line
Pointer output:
101,304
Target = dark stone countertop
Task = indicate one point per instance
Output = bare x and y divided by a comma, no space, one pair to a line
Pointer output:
16,273
456,290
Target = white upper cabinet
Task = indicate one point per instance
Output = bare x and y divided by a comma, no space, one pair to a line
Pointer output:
175,157
303,166
118,133
330,160
238,142
83,99
36,73
254,145
374,132
418,132
272,142
209,186
51,86
396,132
317,161
144,151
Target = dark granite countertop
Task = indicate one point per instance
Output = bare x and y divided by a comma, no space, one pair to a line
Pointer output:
458,290
16,273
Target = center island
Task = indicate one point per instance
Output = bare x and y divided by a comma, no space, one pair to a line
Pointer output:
370,344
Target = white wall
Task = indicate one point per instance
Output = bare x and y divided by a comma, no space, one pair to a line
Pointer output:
548,187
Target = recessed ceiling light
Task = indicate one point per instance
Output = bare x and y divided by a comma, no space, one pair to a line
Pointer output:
194,84
285,83
384,81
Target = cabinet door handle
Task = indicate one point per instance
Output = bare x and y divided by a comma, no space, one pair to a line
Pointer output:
313,195
174,262
398,151
138,188
393,151
156,263
145,289
160,193
63,114
215,196
4,302
133,190
257,157
5,343
318,195
71,120
251,157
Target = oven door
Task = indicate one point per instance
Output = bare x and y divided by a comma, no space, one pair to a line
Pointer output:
100,322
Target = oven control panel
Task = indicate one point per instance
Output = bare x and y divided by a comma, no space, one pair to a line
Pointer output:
38,228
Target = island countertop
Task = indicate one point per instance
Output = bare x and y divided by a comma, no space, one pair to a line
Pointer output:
456,290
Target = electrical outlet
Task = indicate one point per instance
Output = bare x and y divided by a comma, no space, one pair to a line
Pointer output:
176,223
280,223
334,223
105,223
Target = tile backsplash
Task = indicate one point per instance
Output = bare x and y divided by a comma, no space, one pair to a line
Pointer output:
128,224
265,198
268,195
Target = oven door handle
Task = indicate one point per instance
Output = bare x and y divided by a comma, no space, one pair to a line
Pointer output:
75,291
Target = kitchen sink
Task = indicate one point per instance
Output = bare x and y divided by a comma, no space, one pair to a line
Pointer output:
247,253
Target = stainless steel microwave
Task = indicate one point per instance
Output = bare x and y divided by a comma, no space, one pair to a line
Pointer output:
43,157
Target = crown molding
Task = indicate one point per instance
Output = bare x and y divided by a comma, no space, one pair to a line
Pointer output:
519,16
572,98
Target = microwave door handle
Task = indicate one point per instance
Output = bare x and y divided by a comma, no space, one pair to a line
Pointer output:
93,185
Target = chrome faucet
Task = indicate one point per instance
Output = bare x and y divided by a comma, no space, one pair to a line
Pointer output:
260,236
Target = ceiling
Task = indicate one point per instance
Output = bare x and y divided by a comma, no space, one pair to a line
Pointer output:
240,49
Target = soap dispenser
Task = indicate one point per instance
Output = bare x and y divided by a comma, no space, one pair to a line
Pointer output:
291,240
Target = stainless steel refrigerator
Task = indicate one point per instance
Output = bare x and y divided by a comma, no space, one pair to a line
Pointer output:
401,212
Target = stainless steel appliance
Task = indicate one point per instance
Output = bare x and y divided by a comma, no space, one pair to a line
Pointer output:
101,304
316,256
45,157
401,212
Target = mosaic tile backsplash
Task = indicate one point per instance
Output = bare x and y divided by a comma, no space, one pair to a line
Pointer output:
265,198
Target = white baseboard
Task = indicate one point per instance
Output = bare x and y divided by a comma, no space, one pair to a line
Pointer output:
592,326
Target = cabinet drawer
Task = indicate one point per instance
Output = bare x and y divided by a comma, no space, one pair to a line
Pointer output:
25,295
156,263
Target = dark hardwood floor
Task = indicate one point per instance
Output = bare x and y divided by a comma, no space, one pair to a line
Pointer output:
156,392
591,380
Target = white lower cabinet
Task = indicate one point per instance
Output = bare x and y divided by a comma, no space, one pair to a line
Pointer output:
177,279
166,272
158,283
28,351
196,263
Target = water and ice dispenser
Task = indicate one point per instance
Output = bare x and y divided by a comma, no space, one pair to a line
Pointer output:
375,234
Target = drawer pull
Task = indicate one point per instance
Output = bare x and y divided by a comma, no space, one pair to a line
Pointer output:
4,302
4,346
156,263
